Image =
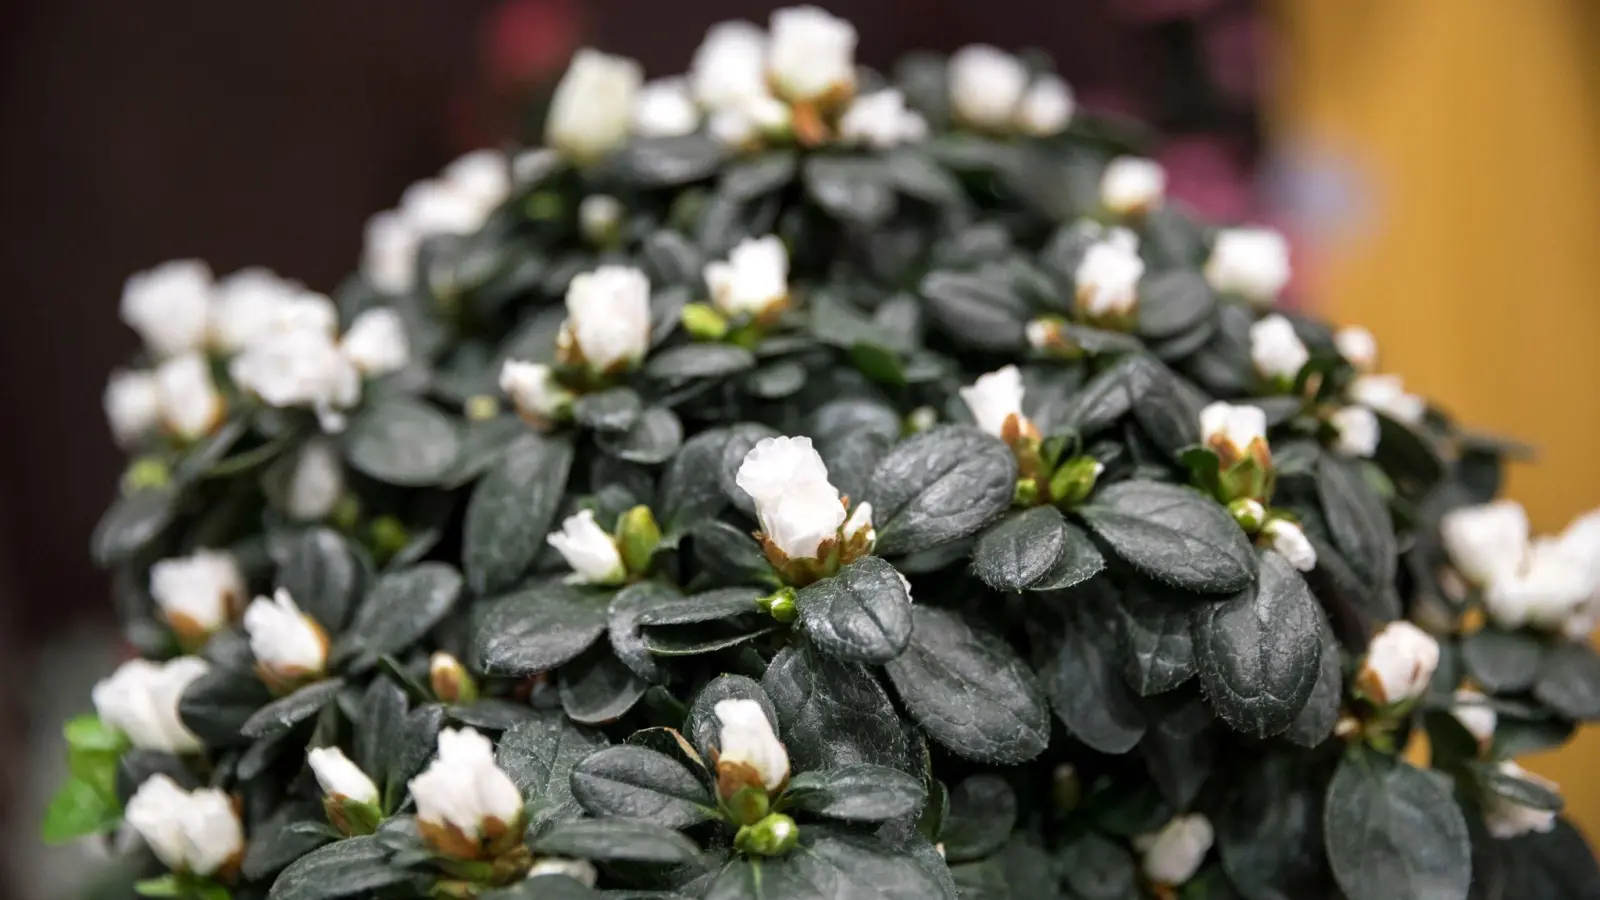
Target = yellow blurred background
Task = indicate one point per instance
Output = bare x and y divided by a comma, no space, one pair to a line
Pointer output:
1476,127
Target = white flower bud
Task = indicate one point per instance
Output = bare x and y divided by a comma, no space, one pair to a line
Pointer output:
599,216
729,65
1486,543
192,832
1289,540
1047,107
133,405
197,593
754,279
1107,278
340,777
435,207
592,107
798,507
376,342
1399,663
303,368
589,550
664,108
286,642
1172,855
1473,711
1132,185
811,54
463,789
608,317
316,483
1276,350
169,306
1358,347
1505,818
140,700
483,176
986,86
533,388
1230,430
580,870
191,405
1252,263
389,252
859,527
881,120
747,739
744,123
1357,431
994,399
1549,587
245,306
1386,394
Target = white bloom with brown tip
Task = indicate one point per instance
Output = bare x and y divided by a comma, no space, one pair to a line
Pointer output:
191,405
198,593
749,752
1132,185
608,318
141,699
995,400
754,280
811,55
339,777
1276,350
191,832
465,802
1399,663
592,108
289,646
533,389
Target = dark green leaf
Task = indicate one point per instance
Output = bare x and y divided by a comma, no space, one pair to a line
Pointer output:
1180,747
1317,718
1270,833
1080,561
1174,535
1502,661
286,712
729,553
667,161
597,688
978,310
1358,520
610,410
324,575
938,486
216,705
511,511
636,783
1554,866
621,840
1097,868
689,361
1079,672
133,521
854,189
690,489
861,793
403,606
539,755
1569,682
830,865
622,623
1391,831
358,865
1020,550
536,629
655,436
833,713
983,810
1153,645
862,614
749,179
1173,302
403,441
284,837
1519,791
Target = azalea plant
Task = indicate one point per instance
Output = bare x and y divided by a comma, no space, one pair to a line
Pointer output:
793,483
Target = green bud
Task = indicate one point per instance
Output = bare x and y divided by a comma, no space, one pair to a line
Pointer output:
1245,479
638,535
388,536
1026,492
544,206
450,680
775,835
780,604
144,473
350,816
703,322
1074,480
748,805
480,407
1250,514
346,512
921,419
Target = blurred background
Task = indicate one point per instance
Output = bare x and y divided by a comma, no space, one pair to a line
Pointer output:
1435,162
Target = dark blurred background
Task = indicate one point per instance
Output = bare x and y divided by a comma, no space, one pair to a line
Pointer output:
1463,132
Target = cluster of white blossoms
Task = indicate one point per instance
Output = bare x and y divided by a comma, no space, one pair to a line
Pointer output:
457,202
280,340
801,513
1370,390
1238,436
1171,856
192,832
993,91
1549,583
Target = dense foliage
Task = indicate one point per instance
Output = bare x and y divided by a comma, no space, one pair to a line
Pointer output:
815,486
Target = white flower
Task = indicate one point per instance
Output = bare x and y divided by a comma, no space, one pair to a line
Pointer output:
664,108
463,789
316,482
1288,539
1107,278
1252,263
1172,855
1047,107
1505,818
244,306
1387,394
592,107
608,316
1132,185
589,550
994,398
483,176
140,700
730,65
812,54
285,640
1399,663
533,388
747,739
1486,543
433,207
580,870
1550,586
986,85
1356,428
1230,430
389,252
754,279
198,593
1358,347
301,368
1473,711
599,215
798,507
133,405
191,405
376,342
1276,350
746,121
340,777
881,120
193,832
170,306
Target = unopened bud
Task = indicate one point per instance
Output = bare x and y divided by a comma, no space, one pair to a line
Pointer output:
1026,493
638,535
1048,335
450,680
780,604
703,322
775,835
346,514
1250,514
921,419
1075,480
748,805
481,407
1066,788
544,206
388,536
145,473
